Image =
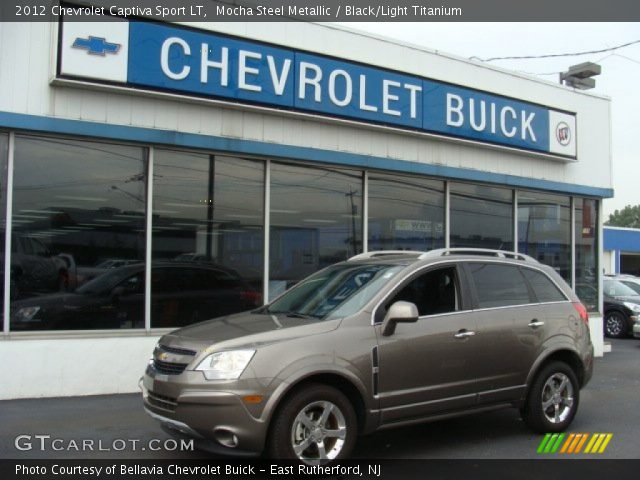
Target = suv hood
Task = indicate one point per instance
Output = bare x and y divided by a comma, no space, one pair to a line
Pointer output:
248,328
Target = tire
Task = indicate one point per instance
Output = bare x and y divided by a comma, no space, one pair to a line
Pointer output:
297,433
566,399
615,325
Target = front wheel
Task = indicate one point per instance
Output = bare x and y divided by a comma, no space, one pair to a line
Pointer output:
316,425
615,325
553,399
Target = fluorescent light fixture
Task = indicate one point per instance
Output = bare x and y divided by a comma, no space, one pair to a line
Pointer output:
274,210
318,220
46,212
82,199
28,216
110,220
165,211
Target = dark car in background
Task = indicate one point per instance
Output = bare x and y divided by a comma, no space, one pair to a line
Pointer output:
181,294
621,308
35,269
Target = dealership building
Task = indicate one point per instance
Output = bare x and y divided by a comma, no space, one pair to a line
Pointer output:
154,175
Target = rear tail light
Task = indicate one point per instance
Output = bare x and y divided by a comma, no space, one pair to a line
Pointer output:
582,311
253,297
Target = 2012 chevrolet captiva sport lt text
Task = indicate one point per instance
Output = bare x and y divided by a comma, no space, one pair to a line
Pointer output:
384,339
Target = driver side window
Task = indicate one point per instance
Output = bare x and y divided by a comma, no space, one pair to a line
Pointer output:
434,292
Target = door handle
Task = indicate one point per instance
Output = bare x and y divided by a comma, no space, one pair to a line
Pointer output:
535,323
464,333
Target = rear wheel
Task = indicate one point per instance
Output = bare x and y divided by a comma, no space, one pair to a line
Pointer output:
615,325
553,399
316,425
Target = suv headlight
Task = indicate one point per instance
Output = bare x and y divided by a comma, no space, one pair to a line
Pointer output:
26,314
225,365
634,307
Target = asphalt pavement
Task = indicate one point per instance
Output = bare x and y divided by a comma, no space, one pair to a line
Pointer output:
115,426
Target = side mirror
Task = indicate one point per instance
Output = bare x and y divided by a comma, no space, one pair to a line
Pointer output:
399,312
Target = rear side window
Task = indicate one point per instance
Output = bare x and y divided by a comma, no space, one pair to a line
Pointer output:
499,285
543,287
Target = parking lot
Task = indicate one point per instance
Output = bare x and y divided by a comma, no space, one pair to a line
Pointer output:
608,404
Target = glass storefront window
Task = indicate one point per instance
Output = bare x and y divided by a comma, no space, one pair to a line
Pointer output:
405,213
78,241
544,222
586,215
481,216
316,220
4,142
208,236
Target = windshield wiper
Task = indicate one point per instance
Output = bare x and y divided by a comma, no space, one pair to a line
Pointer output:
301,315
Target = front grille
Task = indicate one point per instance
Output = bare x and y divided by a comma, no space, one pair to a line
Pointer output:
169,368
162,401
176,350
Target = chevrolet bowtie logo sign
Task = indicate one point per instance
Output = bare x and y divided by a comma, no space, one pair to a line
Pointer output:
96,46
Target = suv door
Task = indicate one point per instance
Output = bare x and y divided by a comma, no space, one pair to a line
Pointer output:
510,325
427,367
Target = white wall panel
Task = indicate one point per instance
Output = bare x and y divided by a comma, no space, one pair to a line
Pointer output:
73,366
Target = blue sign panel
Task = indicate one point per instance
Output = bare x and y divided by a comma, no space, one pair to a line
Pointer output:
487,118
198,63
186,61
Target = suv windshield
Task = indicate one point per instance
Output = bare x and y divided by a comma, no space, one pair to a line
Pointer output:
334,292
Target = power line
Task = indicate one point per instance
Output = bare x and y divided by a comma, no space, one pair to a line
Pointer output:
554,55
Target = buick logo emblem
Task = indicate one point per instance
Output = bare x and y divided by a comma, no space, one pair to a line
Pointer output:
563,134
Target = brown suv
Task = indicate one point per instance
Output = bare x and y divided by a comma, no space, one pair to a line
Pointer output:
382,340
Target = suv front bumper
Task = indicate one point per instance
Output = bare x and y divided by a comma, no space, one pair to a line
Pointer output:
218,420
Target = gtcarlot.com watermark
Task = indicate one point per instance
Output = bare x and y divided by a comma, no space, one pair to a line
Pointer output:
46,443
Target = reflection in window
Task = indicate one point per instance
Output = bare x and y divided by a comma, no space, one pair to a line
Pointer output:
316,220
586,215
208,237
4,142
499,285
405,213
76,205
481,217
544,229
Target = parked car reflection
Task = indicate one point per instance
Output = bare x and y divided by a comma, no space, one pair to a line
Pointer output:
35,269
181,294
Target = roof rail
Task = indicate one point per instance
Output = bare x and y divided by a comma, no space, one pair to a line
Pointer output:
385,253
441,252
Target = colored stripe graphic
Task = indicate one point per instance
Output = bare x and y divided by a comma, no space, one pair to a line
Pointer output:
574,442
550,443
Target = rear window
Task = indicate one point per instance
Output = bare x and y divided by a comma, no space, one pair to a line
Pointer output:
543,287
499,285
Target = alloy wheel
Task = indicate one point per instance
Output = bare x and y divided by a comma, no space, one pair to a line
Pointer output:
318,432
557,398
614,325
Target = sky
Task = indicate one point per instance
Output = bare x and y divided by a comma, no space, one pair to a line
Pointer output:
619,79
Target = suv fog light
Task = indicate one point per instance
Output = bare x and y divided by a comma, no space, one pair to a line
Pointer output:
226,437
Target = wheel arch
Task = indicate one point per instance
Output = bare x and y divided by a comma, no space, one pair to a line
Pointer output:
347,386
562,354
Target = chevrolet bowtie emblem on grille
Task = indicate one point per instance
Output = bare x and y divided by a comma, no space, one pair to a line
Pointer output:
163,356
96,46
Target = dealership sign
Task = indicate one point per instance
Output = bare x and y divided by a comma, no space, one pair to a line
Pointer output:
187,62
